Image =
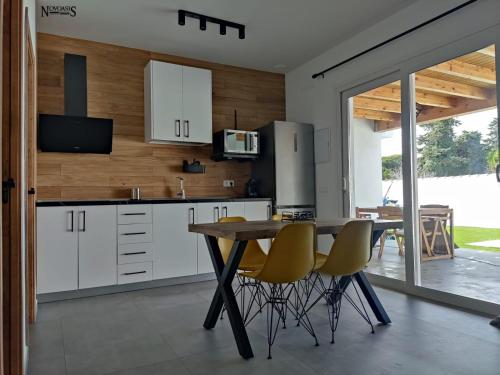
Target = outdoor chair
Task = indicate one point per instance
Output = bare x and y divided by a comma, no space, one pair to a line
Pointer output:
391,213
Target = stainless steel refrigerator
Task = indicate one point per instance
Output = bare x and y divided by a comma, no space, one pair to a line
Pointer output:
285,168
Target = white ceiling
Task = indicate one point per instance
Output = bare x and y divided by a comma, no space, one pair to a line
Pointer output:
280,34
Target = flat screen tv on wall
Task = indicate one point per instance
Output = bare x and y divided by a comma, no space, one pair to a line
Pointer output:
61,133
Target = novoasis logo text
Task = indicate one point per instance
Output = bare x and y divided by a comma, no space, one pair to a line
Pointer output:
61,10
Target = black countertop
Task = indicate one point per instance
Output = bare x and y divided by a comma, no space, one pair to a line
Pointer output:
102,202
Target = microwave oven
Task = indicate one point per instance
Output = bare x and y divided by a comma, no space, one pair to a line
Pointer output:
235,144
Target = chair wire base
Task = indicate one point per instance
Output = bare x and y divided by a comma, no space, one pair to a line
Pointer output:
279,300
255,297
333,294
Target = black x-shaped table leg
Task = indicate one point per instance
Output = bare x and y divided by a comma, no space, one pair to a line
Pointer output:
367,289
224,294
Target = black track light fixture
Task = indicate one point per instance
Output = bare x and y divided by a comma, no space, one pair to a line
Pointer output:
204,19
182,18
241,33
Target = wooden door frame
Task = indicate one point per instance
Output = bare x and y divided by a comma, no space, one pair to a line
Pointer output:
31,158
12,287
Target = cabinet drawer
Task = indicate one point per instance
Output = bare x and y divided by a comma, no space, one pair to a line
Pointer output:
135,253
135,233
134,214
135,272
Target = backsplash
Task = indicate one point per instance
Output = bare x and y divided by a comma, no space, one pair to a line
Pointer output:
116,90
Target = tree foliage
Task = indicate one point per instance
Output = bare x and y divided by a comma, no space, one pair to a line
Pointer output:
391,167
444,153
492,145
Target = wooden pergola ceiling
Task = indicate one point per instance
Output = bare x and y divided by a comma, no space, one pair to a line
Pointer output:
463,85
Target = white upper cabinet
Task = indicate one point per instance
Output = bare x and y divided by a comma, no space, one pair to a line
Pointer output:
177,104
197,105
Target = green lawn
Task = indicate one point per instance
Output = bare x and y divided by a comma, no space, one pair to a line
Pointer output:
466,235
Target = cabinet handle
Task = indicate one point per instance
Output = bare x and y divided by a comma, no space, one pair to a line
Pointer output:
72,227
134,213
295,142
133,233
177,128
269,212
133,273
84,221
191,215
216,214
224,211
134,253
186,128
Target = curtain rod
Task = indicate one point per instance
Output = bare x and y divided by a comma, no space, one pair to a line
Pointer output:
442,15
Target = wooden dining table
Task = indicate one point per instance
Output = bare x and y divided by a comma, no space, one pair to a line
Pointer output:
241,233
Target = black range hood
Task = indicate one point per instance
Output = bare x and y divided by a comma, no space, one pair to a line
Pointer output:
75,131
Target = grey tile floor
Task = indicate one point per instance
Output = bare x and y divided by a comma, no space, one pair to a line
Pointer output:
159,331
472,273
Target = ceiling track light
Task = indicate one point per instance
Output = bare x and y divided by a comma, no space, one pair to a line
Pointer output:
223,25
203,23
182,18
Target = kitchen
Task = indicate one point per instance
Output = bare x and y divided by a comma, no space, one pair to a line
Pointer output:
167,141
152,163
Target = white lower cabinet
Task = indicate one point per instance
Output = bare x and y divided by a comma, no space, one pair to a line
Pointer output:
207,213
135,272
259,210
93,246
76,248
175,249
57,249
96,246
135,253
232,209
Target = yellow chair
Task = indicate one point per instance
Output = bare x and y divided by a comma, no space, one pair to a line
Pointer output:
350,253
290,258
253,259
277,217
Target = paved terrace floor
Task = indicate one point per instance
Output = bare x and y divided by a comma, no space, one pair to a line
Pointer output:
472,273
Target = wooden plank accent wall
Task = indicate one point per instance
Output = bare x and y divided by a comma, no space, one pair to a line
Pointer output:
116,90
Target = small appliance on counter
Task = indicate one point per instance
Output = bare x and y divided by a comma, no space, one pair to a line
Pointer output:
294,216
194,167
135,194
251,188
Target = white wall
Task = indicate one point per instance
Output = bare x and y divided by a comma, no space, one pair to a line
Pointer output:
475,199
318,101
367,163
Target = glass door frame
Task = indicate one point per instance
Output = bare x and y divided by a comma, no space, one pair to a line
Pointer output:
405,73
411,267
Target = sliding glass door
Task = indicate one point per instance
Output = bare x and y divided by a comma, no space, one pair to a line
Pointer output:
423,144
458,221
373,118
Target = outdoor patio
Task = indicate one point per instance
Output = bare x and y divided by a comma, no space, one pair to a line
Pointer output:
471,273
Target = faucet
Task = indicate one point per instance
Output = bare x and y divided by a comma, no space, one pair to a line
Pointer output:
181,193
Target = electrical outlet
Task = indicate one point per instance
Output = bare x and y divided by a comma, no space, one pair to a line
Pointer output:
228,183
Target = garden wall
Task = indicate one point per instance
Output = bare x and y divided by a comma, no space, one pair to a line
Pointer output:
475,199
